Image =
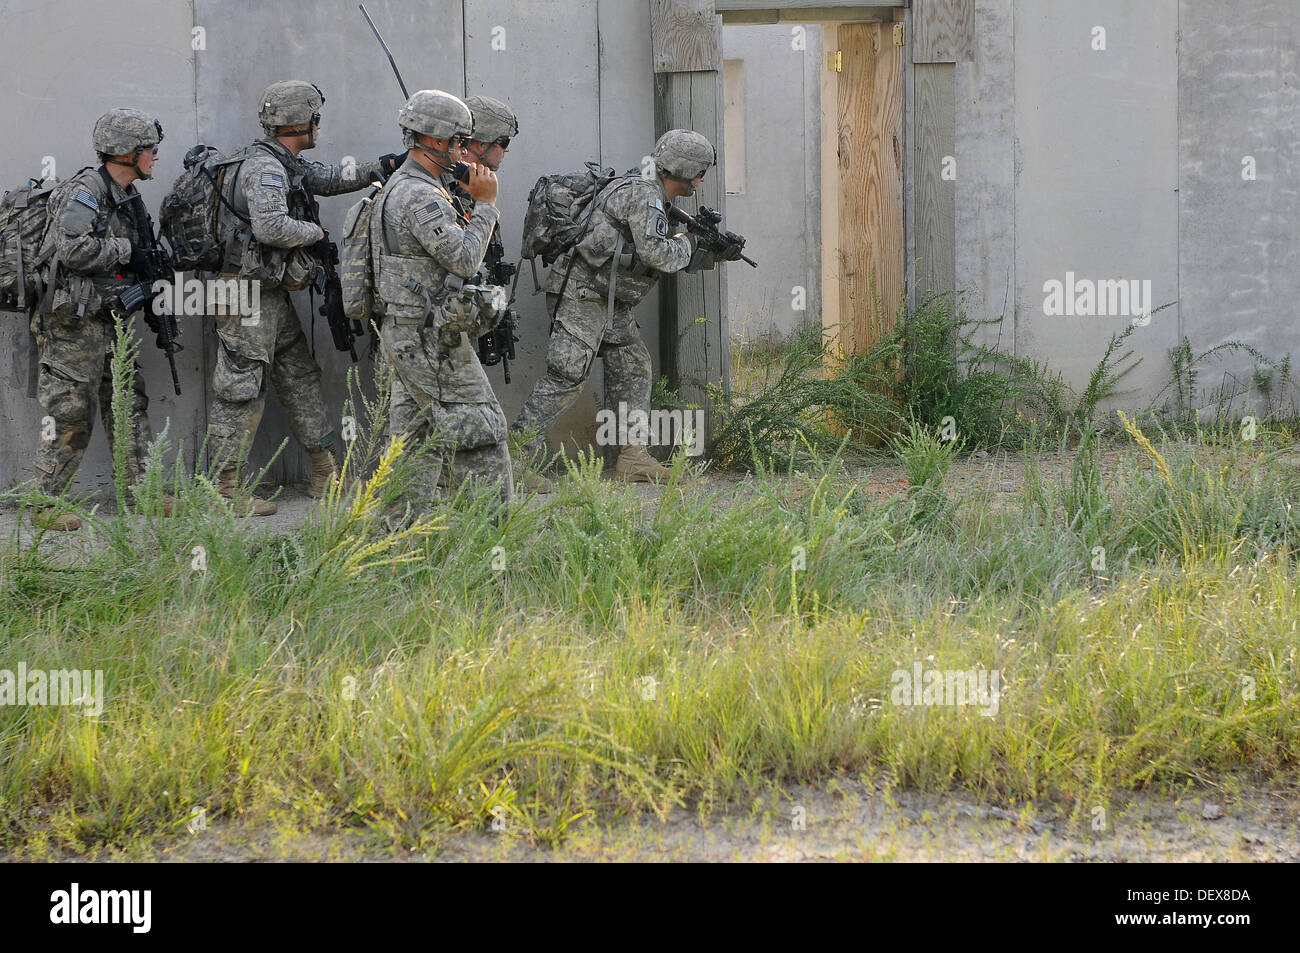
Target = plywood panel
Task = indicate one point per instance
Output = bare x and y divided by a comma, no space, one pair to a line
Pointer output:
830,177
694,331
871,184
936,129
839,7
944,31
685,35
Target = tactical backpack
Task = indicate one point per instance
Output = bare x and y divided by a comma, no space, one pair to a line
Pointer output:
357,263
560,208
24,214
190,210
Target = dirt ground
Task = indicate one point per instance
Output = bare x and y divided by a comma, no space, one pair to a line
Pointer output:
837,821
994,474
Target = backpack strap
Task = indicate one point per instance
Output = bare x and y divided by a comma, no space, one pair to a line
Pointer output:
108,186
573,252
613,279
218,186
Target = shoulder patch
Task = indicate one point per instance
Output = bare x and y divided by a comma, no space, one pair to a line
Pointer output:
86,198
430,213
273,179
657,224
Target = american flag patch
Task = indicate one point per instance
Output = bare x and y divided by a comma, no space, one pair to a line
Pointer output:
430,213
274,179
86,198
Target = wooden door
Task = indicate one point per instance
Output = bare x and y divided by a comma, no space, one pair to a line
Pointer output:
870,148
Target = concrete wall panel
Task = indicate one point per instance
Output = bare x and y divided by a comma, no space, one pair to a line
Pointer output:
1239,260
66,64
1096,174
779,210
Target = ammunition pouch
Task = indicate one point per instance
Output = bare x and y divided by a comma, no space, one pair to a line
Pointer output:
250,260
301,269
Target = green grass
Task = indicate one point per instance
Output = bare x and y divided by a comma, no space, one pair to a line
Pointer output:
600,655
291,684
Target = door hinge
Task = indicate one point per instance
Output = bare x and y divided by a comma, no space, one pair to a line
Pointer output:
898,34
835,61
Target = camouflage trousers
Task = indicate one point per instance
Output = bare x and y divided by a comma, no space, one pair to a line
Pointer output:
247,347
580,335
444,398
75,374
401,405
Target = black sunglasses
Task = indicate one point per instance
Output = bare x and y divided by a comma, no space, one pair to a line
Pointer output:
503,142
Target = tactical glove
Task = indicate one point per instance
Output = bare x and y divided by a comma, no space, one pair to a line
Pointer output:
390,163
731,252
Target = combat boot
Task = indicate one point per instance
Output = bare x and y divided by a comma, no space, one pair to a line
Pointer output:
530,460
323,468
635,465
246,503
46,517
169,505
535,483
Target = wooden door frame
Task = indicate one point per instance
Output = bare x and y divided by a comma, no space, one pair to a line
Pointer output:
830,15
687,52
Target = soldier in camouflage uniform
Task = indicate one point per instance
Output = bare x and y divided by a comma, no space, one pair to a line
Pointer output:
96,253
494,126
631,237
268,239
426,249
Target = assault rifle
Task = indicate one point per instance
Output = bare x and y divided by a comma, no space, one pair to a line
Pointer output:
142,293
498,345
725,245
344,332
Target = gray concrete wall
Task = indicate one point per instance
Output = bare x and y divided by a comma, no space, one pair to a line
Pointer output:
779,211
1127,163
578,73
1097,167
1239,256
64,68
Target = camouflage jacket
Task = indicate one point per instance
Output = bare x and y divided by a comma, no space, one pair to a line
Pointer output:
465,204
632,208
274,189
424,241
91,233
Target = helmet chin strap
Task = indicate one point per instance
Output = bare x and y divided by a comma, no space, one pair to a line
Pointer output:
309,132
134,164
688,183
442,159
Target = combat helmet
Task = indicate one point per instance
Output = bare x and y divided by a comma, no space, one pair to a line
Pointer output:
684,154
291,103
124,131
438,114
493,120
